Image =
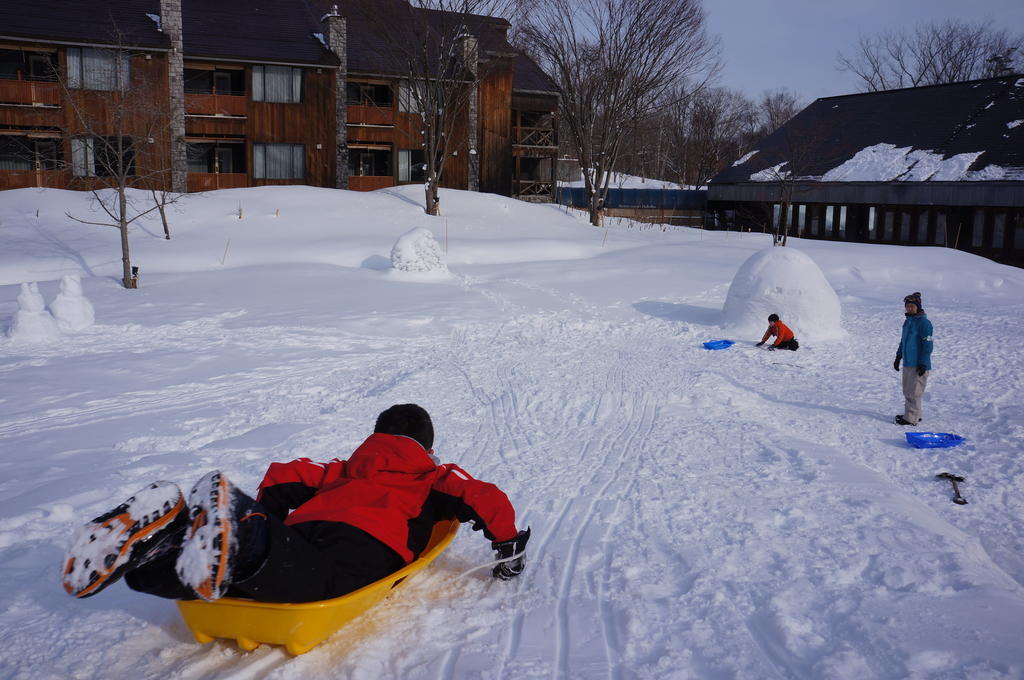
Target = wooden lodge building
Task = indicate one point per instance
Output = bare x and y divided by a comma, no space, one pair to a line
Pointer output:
241,94
939,165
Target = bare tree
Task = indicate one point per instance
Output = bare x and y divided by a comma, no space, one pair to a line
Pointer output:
435,47
614,61
119,136
934,53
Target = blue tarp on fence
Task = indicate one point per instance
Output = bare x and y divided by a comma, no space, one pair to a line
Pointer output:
664,199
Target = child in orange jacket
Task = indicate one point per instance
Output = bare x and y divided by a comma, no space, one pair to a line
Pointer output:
783,334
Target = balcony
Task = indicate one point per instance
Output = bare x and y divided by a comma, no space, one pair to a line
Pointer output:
533,190
20,179
210,181
535,137
370,115
216,104
29,92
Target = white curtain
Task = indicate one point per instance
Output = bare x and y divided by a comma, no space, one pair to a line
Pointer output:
83,157
276,84
93,69
278,161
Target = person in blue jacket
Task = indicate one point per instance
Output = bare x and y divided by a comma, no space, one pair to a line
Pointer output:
915,351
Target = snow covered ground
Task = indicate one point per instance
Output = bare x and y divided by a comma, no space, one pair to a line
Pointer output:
696,514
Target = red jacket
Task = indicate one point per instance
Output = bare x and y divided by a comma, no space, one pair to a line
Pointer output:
781,330
379,489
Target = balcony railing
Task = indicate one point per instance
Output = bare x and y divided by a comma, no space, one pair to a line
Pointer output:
370,115
20,179
209,181
364,183
526,188
216,104
530,136
36,92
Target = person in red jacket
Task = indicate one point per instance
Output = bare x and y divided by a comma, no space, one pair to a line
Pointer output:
783,335
313,532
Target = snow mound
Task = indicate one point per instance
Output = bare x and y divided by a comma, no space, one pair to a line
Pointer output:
417,251
71,308
787,282
32,323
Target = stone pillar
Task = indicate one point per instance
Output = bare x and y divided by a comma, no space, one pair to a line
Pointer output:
170,24
471,57
338,42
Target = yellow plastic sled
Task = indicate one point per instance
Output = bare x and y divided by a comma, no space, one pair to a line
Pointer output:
299,627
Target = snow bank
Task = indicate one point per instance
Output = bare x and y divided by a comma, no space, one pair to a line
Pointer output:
417,251
787,282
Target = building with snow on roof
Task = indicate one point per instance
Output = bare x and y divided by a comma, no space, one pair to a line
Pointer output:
941,165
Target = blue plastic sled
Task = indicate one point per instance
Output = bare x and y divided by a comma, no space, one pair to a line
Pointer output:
933,440
718,344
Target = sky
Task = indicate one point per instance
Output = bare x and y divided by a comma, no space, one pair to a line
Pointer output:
794,43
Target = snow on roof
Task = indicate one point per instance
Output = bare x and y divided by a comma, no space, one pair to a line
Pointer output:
746,157
772,174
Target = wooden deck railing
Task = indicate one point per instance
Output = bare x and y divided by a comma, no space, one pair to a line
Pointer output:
528,188
370,115
216,104
529,136
29,92
356,183
209,181
20,179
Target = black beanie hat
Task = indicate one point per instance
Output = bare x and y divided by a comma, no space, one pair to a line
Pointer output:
408,420
772,318
914,298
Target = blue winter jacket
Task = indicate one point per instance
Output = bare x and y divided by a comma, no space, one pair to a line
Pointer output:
916,343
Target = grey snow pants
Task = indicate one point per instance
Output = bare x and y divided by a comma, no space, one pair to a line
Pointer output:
913,393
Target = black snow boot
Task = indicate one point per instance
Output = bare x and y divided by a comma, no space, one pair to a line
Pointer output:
227,540
134,533
900,420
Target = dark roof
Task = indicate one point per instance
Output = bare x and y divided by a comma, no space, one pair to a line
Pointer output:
254,30
528,76
79,21
985,116
368,52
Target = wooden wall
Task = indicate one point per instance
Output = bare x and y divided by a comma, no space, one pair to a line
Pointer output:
495,136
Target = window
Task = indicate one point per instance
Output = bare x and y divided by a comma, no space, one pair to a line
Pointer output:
281,84
842,222
369,161
216,157
412,165
1017,230
407,97
278,161
214,81
815,220
978,230
872,232
828,221
922,227
890,218
801,220
28,65
368,94
92,69
98,157
776,211
998,229
940,227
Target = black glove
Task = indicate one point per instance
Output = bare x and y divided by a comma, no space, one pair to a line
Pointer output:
513,546
921,370
759,344
896,364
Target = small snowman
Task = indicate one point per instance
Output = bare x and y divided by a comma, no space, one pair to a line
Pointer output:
71,308
32,323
